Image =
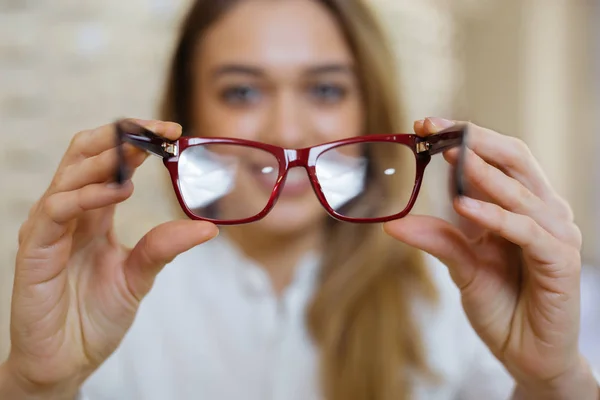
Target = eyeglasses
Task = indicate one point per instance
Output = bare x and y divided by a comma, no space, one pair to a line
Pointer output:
227,181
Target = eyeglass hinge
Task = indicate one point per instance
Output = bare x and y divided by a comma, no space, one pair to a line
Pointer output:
170,149
422,147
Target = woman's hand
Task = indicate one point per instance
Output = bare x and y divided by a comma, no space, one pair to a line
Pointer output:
76,288
520,278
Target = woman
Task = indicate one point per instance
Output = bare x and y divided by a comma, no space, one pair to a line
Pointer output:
295,306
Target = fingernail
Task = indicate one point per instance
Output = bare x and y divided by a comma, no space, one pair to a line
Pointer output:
469,202
440,123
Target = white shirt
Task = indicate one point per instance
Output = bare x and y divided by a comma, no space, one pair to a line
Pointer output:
212,329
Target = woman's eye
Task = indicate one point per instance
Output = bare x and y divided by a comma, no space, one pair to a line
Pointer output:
327,92
241,95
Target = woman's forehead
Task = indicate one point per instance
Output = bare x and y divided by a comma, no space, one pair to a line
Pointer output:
271,33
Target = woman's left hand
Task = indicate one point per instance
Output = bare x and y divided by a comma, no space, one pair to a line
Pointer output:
519,279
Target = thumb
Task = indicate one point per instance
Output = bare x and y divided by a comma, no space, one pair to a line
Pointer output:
440,239
159,247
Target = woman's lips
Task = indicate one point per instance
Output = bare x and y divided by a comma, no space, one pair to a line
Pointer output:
296,183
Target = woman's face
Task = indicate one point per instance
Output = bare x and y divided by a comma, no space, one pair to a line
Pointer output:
278,72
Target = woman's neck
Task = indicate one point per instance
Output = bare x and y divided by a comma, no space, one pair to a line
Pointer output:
278,254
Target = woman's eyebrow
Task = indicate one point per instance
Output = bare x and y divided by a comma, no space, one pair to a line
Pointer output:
257,72
238,69
330,68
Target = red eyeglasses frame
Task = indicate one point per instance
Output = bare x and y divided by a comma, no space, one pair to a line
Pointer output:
422,147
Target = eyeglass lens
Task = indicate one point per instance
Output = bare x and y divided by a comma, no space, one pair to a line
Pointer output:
232,182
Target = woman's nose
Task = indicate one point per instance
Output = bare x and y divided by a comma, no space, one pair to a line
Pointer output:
287,123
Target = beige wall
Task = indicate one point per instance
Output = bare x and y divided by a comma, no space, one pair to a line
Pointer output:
517,66
530,72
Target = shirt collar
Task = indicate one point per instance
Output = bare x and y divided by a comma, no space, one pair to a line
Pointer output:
253,278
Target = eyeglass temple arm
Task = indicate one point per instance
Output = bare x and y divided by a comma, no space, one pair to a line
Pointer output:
148,141
445,140
142,139
442,141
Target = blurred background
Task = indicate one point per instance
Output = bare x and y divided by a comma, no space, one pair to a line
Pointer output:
526,68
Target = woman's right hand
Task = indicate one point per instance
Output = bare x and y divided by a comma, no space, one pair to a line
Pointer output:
76,288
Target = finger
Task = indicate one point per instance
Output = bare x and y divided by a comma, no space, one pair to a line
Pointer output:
433,125
159,247
510,154
26,226
418,127
51,222
97,169
519,229
513,156
513,196
440,239
93,142
23,232
65,206
88,144
50,229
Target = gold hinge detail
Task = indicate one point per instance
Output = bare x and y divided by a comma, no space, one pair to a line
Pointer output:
423,147
170,148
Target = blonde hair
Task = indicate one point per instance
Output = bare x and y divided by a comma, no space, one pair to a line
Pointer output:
361,314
